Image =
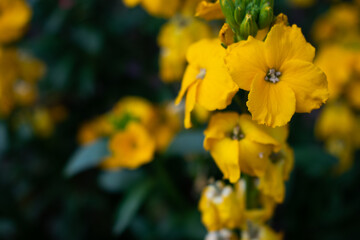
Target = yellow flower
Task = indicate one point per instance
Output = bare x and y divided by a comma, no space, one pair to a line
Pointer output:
222,234
158,8
335,120
238,144
174,39
206,80
279,74
42,123
136,108
209,10
130,148
339,22
15,15
352,91
281,163
337,126
221,207
338,72
91,131
168,125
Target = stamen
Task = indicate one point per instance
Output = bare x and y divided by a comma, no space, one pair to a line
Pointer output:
237,134
201,74
272,76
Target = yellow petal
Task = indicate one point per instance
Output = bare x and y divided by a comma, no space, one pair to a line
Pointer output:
219,126
244,60
308,83
253,157
188,79
285,43
272,104
225,154
209,11
217,89
190,103
272,183
254,131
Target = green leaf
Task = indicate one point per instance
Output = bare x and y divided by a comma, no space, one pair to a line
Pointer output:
87,157
187,142
130,205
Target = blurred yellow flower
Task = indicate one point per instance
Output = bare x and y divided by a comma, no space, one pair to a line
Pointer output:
15,15
158,8
206,80
91,131
136,108
209,10
272,184
352,93
338,72
238,144
42,123
279,74
130,148
174,39
340,21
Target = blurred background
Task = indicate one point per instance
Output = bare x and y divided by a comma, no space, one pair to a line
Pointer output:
88,55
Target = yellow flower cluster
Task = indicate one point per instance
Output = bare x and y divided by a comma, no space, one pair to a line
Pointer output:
136,130
267,67
339,57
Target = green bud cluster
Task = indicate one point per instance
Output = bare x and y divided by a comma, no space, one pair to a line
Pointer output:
246,17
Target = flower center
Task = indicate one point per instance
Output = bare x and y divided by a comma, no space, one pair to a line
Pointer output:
272,76
237,134
201,74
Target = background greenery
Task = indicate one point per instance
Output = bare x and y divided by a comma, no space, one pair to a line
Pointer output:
96,52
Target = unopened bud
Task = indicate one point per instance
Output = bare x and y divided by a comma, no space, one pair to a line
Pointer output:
226,35
228,9
267,2
239,14
248,27
281,19
265,17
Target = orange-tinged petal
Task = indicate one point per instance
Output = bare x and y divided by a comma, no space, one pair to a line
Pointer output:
225,154
190,103
308,83
217,89
189,78
284,43
245,60
272,104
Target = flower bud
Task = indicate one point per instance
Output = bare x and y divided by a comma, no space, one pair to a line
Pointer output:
228,8
239,14
248,27
267,2
226,35
266,16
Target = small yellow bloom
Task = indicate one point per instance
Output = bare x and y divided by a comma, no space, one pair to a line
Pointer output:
352,92
15,15
279,74
209,10
130,148
93,130
338,72
238,144
206,80
174,39
158,8
137,108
